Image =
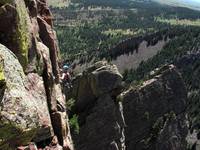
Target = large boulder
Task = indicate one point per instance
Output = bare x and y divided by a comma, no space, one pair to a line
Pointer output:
105,78
97,80
21,117
154,112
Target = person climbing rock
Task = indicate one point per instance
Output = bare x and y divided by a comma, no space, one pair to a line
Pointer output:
66,77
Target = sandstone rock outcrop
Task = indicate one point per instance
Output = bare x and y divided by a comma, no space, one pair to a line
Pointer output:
26,29
150,116
101,78
100,119
155,113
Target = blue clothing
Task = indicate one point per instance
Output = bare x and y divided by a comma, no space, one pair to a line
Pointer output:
65,67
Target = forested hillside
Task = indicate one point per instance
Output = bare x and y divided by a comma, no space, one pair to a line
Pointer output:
88,29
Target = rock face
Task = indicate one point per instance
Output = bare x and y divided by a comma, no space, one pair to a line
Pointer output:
150,116
35,87
154,113
188,65
100,116
18,122
14,28
101,78
32,104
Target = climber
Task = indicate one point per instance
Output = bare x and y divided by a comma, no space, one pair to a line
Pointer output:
66,77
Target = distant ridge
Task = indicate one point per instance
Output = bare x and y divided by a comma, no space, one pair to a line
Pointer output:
192,4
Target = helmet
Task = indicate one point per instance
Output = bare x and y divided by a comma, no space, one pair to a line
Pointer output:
65,67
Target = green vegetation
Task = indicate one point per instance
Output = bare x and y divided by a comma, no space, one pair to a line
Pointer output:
173,53
2,2
90,29
173,49
10,131
70,103
22,36
58,3
73,123
183,22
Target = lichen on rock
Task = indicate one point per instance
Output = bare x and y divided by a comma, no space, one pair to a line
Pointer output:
15,24
17,122
22,35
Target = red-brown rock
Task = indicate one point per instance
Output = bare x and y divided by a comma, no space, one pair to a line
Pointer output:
48,37
26,29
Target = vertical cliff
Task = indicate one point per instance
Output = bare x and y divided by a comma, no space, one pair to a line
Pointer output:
32,105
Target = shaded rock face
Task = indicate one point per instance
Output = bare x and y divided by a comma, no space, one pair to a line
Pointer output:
16,29
100,115
154,113
101,78
26,29
188,65
150,116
